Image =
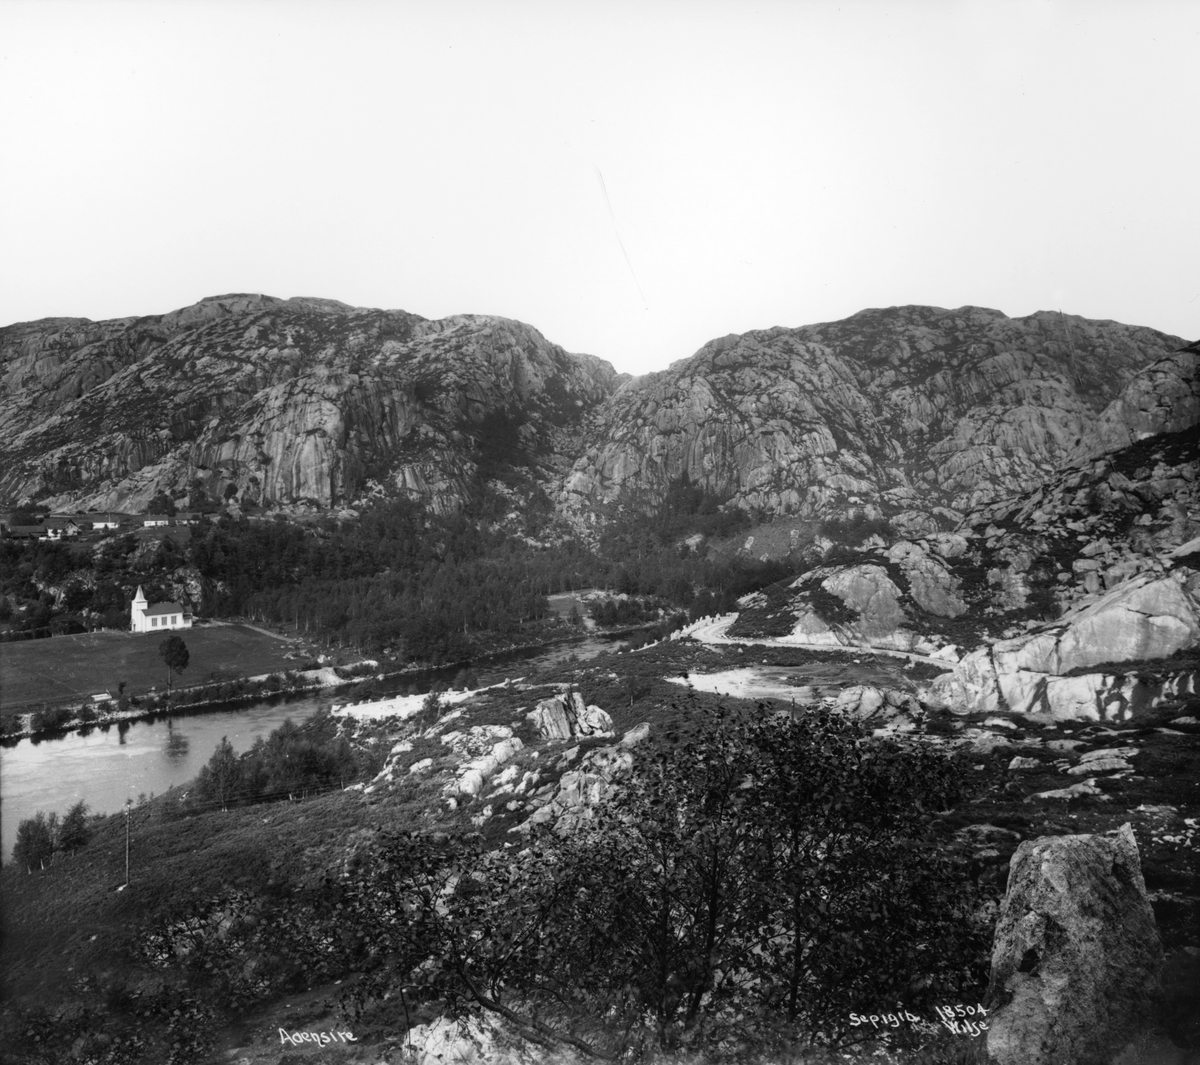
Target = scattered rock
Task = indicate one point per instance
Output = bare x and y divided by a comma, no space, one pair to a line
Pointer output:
1075,791
1100,765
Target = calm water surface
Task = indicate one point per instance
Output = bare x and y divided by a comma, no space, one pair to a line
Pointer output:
107,766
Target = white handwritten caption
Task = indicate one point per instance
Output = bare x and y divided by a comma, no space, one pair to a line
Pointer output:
321,1038
961,1020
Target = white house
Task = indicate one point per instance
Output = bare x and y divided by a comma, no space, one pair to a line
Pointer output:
147,618
106,524
57,528
151,521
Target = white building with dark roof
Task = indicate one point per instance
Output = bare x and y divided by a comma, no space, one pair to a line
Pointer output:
145,617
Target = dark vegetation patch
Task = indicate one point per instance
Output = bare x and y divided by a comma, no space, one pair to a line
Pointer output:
1147,670
830,608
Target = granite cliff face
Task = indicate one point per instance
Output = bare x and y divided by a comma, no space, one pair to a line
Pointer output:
280,401
917,411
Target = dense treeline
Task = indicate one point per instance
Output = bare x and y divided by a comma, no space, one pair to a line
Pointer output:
41,837
399,578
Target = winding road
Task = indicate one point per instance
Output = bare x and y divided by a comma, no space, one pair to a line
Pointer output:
713,630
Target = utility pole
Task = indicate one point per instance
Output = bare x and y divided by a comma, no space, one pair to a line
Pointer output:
128,807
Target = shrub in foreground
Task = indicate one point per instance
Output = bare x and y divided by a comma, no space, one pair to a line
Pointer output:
749,889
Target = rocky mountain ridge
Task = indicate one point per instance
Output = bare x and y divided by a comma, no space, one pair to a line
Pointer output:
916,412
280,401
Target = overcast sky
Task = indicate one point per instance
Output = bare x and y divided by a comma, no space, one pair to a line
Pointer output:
633,179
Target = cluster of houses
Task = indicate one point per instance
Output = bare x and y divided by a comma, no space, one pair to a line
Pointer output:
65,526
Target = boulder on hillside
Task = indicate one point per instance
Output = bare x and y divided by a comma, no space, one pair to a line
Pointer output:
1076,958
565,717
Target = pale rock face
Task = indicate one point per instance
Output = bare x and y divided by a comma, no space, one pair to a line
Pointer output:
921,406
472,775
869,590
931,584
1076,956
1148,616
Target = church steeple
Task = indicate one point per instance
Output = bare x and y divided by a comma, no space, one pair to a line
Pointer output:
137,612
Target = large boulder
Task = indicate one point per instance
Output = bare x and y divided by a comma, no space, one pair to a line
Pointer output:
1076,958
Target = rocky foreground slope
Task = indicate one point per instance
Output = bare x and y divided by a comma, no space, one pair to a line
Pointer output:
919,412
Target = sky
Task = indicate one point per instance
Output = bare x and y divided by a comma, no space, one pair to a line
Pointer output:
631,178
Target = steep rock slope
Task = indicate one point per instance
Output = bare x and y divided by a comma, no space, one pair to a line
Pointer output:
1096,566
913,410
278,401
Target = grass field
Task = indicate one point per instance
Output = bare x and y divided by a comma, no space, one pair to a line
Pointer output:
65,667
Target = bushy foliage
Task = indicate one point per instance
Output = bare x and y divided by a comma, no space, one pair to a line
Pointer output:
293,761
855,530
750,887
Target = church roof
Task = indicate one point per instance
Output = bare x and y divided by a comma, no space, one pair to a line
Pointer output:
164,608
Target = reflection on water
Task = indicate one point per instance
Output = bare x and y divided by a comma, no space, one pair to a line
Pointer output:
177,742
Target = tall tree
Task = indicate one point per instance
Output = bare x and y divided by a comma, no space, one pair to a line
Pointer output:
173,651
218,781
35,841
74,832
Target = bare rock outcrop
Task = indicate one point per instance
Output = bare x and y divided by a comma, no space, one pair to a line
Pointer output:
1147,617
884,600
1076,959
585,786
565,717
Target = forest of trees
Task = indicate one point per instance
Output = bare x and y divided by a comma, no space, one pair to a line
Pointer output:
399,578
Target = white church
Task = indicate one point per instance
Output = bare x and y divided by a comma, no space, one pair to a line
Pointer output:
147,618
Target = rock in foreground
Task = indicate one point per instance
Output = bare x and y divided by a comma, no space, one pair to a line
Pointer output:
1076,958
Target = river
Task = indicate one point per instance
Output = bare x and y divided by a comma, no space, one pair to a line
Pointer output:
106,766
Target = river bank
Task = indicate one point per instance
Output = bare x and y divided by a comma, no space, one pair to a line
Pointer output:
63,717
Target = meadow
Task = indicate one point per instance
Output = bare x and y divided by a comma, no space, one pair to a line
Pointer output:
70,667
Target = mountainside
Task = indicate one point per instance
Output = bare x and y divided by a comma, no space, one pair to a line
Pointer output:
280,401
917,413
911,410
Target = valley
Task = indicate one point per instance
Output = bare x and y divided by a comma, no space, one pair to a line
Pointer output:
899,596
